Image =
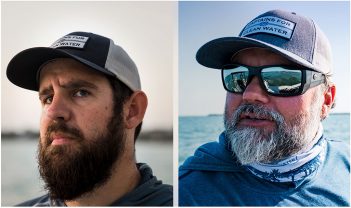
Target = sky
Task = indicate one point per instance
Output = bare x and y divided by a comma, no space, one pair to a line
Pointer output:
146,30
200,88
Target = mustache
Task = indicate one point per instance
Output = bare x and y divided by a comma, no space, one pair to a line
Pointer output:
259,110
61,127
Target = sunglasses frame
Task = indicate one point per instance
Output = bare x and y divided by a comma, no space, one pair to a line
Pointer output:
309,78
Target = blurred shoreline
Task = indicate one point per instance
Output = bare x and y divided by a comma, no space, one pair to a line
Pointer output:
147,135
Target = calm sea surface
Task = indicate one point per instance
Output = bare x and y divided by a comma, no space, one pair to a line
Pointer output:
20,178
197,130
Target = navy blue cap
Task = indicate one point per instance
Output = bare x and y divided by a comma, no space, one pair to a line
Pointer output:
96,51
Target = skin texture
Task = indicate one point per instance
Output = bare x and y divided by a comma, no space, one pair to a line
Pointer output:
81,98
254,94
72,93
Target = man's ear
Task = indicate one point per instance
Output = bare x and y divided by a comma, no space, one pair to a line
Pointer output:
329,99
134,109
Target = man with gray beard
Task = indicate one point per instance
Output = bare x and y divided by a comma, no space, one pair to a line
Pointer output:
277,75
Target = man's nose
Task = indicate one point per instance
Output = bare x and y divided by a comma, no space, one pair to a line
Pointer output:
58,109
254,92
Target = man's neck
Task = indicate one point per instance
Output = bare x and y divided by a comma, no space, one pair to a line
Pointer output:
314,140
124,179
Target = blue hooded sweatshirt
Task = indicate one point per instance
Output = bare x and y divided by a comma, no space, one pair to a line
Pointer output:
213,177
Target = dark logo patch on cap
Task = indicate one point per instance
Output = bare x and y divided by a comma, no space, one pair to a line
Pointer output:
70,41
271,25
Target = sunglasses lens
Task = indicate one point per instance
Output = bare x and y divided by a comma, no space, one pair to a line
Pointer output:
235,79
281,81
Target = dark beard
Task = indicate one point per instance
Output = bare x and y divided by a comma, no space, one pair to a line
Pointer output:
72,170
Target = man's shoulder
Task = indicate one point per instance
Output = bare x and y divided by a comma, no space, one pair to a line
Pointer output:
36,202
149,192
338,153
212,157
339,147
338,143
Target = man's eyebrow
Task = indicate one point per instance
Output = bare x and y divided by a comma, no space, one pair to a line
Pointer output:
69,85
45,91
78,84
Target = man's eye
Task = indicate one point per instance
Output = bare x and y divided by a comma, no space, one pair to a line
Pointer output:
81,93
47,100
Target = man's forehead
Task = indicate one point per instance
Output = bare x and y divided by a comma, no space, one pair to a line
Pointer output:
257,53
69,85
67,67
67,71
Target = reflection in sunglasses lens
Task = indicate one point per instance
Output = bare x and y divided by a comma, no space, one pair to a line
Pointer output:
282,82
276,80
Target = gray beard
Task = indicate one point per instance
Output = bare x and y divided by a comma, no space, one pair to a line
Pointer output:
250,144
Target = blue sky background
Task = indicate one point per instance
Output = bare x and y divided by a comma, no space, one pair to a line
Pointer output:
200,88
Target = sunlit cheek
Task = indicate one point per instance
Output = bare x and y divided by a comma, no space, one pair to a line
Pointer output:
44,122
296,112
42,133
232,102
91,126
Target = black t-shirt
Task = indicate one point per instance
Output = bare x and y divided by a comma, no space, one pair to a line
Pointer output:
149,192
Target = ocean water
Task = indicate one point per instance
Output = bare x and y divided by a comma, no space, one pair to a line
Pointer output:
20,179
197,130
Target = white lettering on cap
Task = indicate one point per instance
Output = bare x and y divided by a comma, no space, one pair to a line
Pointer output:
271,25
70,41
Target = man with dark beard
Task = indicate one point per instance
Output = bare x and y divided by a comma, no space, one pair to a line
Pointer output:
277,75
92,111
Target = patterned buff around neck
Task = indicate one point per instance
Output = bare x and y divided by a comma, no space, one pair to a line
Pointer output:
296,167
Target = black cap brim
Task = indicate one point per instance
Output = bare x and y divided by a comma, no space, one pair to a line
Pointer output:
216,53
23,68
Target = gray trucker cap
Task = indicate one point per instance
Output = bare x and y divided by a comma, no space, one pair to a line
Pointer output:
293,36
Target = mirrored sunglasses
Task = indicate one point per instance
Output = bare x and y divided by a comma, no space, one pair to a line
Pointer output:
276,80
